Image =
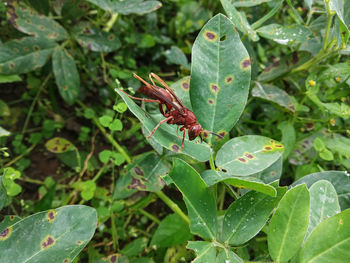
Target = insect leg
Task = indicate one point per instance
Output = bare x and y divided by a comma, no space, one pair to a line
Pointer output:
177,132
155,128
183,138
135,98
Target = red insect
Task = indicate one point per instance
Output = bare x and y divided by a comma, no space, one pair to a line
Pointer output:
175,111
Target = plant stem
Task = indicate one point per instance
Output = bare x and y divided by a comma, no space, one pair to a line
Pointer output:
108,136
150,216
211,162
20,156
111,22
329,24
172,206
114,233
294,14
31,108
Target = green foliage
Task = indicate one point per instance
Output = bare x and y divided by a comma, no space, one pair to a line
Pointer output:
69,134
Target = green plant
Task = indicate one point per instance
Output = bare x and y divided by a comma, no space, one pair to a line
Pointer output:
271,77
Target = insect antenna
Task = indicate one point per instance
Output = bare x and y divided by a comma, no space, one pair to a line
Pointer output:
219,135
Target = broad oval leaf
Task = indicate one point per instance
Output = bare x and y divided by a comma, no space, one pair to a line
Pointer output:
182,91
25,54
139,7
246,216
323,203
212,177
199,201
274,94
166,134
288,225
58,234
228,256
248,155
220,75
284,34
94,39
30,22
340,180
59,145
329,242
172,231
66,75
205,251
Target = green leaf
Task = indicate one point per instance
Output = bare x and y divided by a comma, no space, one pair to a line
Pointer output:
288,225
30,22
191,17
138,7
115,258
8,181
340,181
226,256
288,137
59,234
135,247
144,174
118,158
274,94
66,75
166,134
92,38
120,107
323,203
42,6
105,120
46,201
247,215
284,34
3,194
147,41
319,144
338,144
8,221
337,6
9,78
172,231
4,109
176,56
248,155
199,201
249,3
239,19
205,251
104,156
329,241
4,132
219,90
326,155
25,54
212,177
116,125
270,174
59,145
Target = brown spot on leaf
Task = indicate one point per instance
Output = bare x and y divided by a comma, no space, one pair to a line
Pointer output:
12,65
138,171
214,88
79,242
249,156
185,85
111,37
36,48
228,79
48,242
5,233
12,217
66,260
137,183
242,160
51,215
267,148
64,87
210,101
175,148
113,258
295,58
210,35
246,63
280,146
41,27
52,36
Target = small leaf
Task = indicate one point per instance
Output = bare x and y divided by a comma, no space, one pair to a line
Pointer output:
105,120
9,78
59,145
329,241
104,156
326,155
4,132
8,181
285,34
340,181
135,247
319,144
29,22
118,158
212,177
25,54
247,215
226,256
288,225
92,38
116,125
199,201
175,55
323,203
57,233
120,107
248,155
219,91
274,94
205,251
172,231
66,75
